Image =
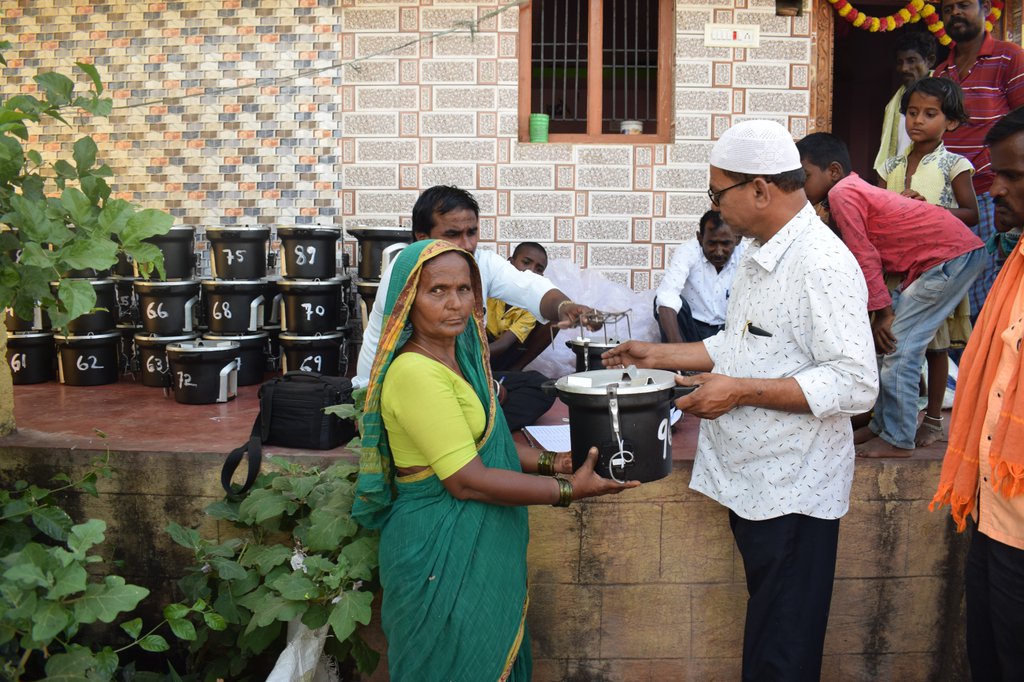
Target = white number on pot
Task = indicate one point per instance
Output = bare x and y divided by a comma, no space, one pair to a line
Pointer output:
309,361
665,436
185,379
19,361
155,365
320,311
154,311
87,362
221,310
236,255
302,251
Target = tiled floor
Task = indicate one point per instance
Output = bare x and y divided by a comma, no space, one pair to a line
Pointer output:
134,417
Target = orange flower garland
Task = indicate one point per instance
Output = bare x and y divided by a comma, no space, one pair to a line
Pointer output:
914,11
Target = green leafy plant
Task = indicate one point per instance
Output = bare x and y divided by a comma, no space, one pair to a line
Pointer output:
60,217
48,592
299,555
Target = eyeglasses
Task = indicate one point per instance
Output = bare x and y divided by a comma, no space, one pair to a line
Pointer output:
716,197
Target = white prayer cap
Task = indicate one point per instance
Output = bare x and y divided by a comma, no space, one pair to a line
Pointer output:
756,148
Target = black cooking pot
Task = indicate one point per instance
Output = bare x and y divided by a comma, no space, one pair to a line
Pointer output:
376,243
625,414
588,352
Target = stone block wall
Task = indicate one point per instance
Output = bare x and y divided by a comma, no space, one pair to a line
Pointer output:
212,124
646,585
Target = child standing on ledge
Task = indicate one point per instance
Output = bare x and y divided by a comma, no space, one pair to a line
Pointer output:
927,171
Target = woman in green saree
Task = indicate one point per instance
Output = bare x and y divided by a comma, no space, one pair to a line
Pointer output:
443,480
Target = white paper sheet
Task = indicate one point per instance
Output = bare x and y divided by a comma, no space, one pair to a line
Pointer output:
554,437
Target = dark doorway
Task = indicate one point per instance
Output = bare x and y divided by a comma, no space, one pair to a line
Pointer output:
864,79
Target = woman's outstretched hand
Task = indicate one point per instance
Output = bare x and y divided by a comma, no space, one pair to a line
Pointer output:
586,483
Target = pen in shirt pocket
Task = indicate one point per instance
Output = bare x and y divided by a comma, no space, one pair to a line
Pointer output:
757,331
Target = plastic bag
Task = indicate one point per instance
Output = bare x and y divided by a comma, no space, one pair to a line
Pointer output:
591,288
303,660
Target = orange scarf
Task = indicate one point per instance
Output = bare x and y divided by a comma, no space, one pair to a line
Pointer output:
958,483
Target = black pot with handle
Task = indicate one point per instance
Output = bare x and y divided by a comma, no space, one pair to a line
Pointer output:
625,413
588,352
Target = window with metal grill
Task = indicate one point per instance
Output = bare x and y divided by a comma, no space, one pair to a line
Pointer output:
598,68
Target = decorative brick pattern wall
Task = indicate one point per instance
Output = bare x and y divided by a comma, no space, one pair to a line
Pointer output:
355,145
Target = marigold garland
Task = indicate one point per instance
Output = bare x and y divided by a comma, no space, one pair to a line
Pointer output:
914,11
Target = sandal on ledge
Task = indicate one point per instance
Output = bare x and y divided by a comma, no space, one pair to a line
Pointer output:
930,431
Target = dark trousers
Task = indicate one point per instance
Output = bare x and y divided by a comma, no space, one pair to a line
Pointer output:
690,328
525,402
995,610
789,562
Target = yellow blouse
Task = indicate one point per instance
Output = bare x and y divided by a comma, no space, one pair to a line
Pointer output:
432,416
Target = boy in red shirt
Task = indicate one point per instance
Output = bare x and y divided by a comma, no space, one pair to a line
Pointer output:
938,256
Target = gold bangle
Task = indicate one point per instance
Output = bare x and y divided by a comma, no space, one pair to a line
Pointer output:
564,493
546,463
558,311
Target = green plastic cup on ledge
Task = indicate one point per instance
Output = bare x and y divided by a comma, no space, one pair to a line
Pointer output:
539,127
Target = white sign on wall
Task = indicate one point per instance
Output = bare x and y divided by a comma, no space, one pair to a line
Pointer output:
732,35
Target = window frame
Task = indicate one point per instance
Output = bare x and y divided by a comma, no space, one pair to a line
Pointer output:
666,93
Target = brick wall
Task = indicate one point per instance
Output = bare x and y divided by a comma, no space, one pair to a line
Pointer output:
355,145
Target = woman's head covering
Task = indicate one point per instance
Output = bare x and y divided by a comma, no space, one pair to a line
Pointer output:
376,466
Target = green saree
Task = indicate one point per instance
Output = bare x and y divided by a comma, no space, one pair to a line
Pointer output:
453,572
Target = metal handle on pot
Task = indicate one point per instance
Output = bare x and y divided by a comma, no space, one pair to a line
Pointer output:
228,381
256,313
389,254
623,457
679,391
189,316
548,388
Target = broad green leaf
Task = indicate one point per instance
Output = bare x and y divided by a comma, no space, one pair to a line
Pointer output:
223,509
65,169
295,586
176,611
353,608
215,621
226,608
85,154
154,643
328,527
31,218
68,580
265,557
97,106
344,410
52,521
78,297
11,159
263,504
79,207
83,252
133,627
365,657
105,602
276,608
298,486
186,537
73,666
36,256
93,74
362,556
106,663
258,639
49,621
58,87
96,188
316,616
35,157
227,569
114,215
147,223
27,574
26,104
183,629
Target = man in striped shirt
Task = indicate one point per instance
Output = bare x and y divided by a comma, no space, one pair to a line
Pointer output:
991,73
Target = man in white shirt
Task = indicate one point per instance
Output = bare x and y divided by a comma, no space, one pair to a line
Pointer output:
452,214
796,360
691,299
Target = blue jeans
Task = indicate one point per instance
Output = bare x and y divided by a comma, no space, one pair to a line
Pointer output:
920,309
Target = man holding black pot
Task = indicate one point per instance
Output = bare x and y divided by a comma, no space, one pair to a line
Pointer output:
794,362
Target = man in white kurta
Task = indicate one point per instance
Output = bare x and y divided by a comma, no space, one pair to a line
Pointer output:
795,361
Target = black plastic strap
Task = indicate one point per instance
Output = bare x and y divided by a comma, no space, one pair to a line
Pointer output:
254,449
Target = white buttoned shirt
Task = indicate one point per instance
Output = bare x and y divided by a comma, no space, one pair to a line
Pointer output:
691,275
798,309
500,279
